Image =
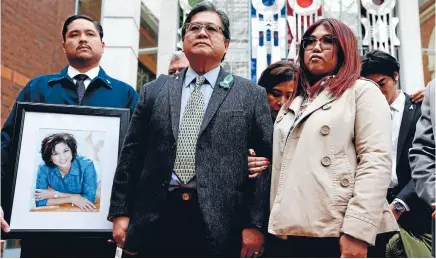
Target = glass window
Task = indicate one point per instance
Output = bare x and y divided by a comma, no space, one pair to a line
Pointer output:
144,76
427,21
148,41
92,8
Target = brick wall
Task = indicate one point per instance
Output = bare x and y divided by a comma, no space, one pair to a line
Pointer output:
30,43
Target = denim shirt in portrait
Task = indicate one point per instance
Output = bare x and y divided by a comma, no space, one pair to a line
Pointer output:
81,179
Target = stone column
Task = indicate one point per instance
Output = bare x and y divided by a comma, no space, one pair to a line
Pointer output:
168,26
121,23
409,30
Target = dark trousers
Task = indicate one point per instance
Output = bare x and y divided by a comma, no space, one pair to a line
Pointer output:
318,247
180,231
67,247
433,237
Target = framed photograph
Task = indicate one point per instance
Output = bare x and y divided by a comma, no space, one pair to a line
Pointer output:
66,157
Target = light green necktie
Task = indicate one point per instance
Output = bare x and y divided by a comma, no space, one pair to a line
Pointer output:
184,165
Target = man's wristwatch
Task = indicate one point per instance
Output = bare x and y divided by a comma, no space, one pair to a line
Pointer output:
56,195
399,207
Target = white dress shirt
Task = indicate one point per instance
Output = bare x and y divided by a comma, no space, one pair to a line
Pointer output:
397,109
206,89
92,73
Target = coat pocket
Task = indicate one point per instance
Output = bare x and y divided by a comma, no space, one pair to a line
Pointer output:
130,243
234,113
343,180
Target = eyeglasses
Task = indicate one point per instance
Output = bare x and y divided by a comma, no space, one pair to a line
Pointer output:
326,42
175,72
195,28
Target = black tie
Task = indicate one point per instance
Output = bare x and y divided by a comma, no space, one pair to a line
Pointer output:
80,85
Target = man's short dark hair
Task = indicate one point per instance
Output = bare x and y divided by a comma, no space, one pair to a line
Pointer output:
49,143
204,7
70,19
379,62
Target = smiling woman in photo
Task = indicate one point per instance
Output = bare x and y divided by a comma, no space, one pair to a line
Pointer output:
64,176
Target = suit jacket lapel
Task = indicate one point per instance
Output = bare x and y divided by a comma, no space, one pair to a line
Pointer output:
175,94
218,95
409,111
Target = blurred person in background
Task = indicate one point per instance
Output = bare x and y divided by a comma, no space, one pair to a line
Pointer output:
178,62
278,79
411,213
422,154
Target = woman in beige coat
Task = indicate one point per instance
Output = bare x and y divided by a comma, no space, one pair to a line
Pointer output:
331,155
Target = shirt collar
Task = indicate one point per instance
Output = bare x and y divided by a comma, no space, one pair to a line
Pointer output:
92,73
74,166
399,102
101,75
210,76
73,169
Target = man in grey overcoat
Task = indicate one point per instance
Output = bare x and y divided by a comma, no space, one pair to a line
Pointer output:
422,154
181,188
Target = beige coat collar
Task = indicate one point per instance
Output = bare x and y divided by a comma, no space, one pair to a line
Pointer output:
323,101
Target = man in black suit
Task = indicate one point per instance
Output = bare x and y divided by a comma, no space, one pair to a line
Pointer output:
410,211
181,188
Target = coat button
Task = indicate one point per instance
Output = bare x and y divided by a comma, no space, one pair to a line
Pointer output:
325,130
326,106
325,161
345,182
